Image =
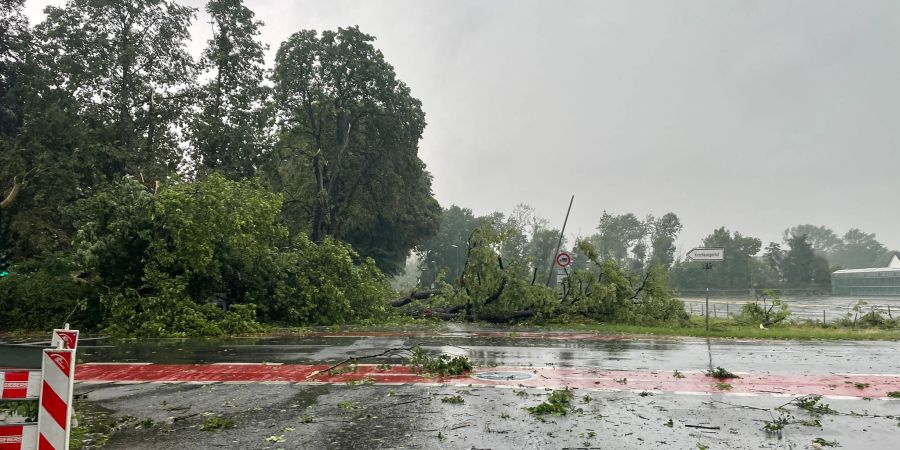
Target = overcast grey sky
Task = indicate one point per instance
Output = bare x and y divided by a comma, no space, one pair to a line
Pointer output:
755,115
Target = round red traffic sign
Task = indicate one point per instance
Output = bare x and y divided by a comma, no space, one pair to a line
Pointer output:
563,260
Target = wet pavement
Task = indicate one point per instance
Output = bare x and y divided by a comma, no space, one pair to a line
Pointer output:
499,348
291,416
278,394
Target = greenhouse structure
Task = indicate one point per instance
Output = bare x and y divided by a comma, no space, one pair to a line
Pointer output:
879,281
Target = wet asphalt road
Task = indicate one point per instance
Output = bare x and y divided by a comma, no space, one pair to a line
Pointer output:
273,415
556,349
289,416
507,349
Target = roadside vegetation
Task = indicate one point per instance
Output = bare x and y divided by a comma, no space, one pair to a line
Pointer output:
184,204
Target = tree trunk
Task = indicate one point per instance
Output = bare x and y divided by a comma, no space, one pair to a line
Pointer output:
318,228
420,295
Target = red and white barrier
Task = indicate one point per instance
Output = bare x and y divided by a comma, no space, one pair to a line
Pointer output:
68,338
20,384
52,387
18,437
55,411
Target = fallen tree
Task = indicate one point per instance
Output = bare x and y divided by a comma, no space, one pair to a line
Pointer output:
493,290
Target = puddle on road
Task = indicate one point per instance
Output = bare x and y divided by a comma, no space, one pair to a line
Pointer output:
503,376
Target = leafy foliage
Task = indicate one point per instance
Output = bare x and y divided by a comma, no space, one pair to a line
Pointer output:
442,365
193,249
43,293
26,409
453,400
216,422
720,373
558,403
812,405
765,314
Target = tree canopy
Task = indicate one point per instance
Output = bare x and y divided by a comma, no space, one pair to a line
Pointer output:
346,156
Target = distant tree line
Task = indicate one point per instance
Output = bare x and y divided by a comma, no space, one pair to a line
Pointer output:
803,260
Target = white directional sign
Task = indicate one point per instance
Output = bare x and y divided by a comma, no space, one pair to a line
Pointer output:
707,254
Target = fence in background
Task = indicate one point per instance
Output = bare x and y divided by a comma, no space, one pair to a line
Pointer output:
816,311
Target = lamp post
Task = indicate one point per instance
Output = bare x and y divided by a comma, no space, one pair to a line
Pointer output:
457,270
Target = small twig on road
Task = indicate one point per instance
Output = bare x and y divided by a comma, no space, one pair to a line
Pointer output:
403,403
748,406
703,427
180,418
770,410
461,425
178,408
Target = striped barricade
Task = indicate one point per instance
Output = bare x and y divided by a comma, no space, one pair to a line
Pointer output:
18,437
52,387
68,338
20,384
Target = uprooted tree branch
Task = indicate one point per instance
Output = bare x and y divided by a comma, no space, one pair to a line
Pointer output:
420,361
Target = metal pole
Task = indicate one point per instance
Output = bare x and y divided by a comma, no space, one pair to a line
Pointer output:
559,243
456,269
707,307
707,267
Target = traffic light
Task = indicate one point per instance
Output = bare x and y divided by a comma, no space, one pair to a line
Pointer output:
4,265
4,247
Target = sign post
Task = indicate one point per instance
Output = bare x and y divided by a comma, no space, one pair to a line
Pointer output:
707,255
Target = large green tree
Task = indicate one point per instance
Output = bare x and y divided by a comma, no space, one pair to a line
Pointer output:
347,153
228,132
13,46
663,232
126,63
822,239
621,237
858,250
99,92
802,267
739,249
41,169
733,273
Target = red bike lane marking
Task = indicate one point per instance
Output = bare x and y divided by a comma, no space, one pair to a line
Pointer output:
545,377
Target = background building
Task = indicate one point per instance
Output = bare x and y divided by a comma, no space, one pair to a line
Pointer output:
880,281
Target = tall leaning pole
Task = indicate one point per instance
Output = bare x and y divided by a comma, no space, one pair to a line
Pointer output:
559,243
